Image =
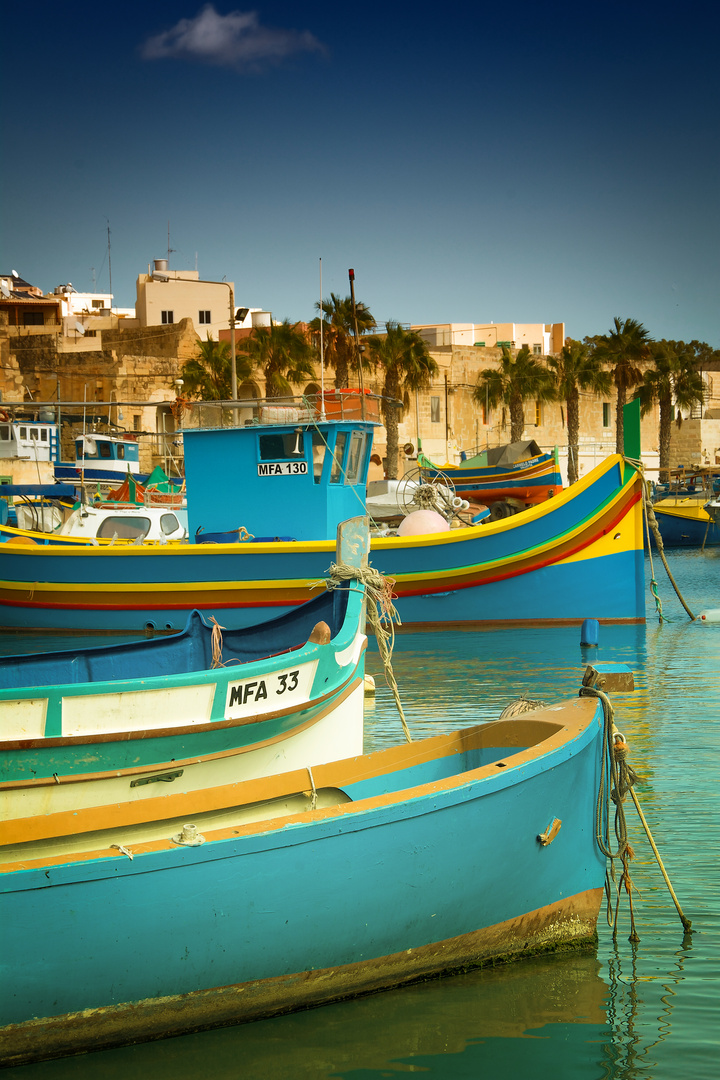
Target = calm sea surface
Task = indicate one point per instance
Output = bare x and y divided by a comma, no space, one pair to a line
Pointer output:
649,1010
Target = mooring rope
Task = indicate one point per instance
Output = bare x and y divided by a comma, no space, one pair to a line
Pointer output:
652,524
381,615
622,778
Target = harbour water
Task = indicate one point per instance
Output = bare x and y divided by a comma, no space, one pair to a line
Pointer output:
633,1011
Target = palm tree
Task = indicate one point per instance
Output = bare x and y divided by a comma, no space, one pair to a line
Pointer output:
673,380
406,365
622,349
208,375
338,328
283,353
576,368
518,379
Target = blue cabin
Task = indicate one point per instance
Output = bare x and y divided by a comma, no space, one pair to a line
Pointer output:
289,481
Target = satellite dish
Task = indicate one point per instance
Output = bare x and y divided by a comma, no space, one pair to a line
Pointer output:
79,328
4,290
15,273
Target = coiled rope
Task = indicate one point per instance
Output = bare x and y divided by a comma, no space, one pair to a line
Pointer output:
381,615
651,523
616,781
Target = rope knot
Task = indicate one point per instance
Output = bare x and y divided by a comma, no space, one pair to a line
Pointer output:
381,616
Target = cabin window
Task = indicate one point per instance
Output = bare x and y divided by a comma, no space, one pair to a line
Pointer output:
43,434
5,432
33,433
125,528
204,317
355,457
435,410
169,524
22,433
105,450
120,450
338,455
167,316
319,446
275,447
606,414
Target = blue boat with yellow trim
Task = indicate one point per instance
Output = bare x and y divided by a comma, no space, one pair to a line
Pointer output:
519,471
264,500
280,893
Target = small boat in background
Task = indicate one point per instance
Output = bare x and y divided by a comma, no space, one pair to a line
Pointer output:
290,891
684,521
680,508
112,725
103,458
518,471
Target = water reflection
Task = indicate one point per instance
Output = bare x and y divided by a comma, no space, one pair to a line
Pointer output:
510,1012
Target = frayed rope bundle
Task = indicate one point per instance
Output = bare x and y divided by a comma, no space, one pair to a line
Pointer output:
381,615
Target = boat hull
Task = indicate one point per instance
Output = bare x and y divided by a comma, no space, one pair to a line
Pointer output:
109,949
685,523
537,567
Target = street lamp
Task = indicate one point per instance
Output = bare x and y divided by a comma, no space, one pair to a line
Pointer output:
159,275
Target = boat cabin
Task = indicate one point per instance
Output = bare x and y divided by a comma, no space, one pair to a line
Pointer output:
31,440
287,475
108,452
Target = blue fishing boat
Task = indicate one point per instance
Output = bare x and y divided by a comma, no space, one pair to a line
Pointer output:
101,458
518,471
263,503
681,508
117,723
276,894
684,521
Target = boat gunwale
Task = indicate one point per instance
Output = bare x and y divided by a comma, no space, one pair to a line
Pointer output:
564,739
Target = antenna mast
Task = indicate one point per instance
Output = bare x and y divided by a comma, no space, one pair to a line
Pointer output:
109,263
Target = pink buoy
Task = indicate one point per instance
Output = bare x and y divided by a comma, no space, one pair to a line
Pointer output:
423,521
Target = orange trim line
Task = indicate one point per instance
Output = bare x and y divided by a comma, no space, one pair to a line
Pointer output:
285,784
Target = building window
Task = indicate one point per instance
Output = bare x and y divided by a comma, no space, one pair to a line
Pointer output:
167,316
606,414
538,414
97,303
33,318
204,317
435,410
537,350
136,422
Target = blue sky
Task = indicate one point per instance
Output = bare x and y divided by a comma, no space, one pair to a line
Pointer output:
472,162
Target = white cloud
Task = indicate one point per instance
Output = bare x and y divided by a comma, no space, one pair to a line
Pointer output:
233,40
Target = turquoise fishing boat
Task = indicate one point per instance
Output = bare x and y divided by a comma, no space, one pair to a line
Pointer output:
263,503
261,897
117,723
